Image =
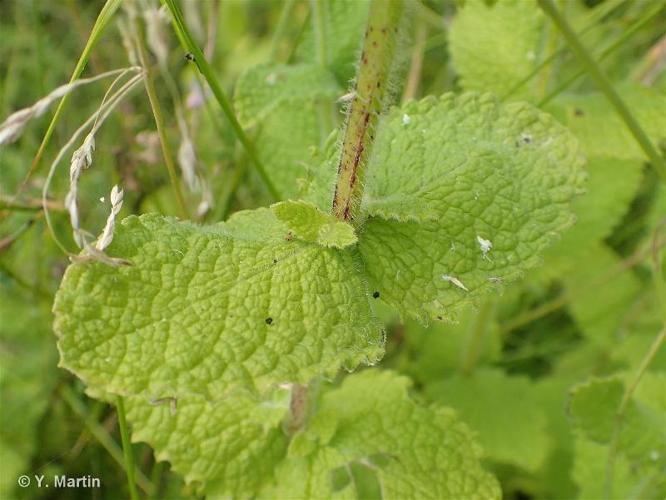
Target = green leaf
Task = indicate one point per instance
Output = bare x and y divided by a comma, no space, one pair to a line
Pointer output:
442,348
601,293
590,470
463,193
230,446
309,223
262,89
638,332
370,427
553,480
599,128
281,101
594,406
344,23
516,434
496,47
208,310
611,186
641,445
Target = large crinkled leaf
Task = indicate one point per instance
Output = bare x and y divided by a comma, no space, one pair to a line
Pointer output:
516,434
494,47
281,102
230,447
600,129
206,310
463,193
369,427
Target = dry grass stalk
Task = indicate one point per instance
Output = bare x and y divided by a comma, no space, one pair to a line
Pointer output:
12,128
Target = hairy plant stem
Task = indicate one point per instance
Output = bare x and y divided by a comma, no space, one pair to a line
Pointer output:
127,449
605,85
379,46
187,41
149,83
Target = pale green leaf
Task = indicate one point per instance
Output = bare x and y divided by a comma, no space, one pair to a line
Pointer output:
601,292
230,446
589,472
264,88
640,453
206,310
496,47
281,103
611,186
369,424
594,406
600,129
638,332
446,347
463,193
516,434
344,22
309,223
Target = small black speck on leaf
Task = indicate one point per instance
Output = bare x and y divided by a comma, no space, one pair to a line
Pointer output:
578,112
269,320
375,295
274,261
190,57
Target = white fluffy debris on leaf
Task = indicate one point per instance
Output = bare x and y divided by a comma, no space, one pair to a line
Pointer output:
484,245
455,281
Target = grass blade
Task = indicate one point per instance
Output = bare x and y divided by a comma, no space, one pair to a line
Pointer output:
190,45
605,85
101,22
